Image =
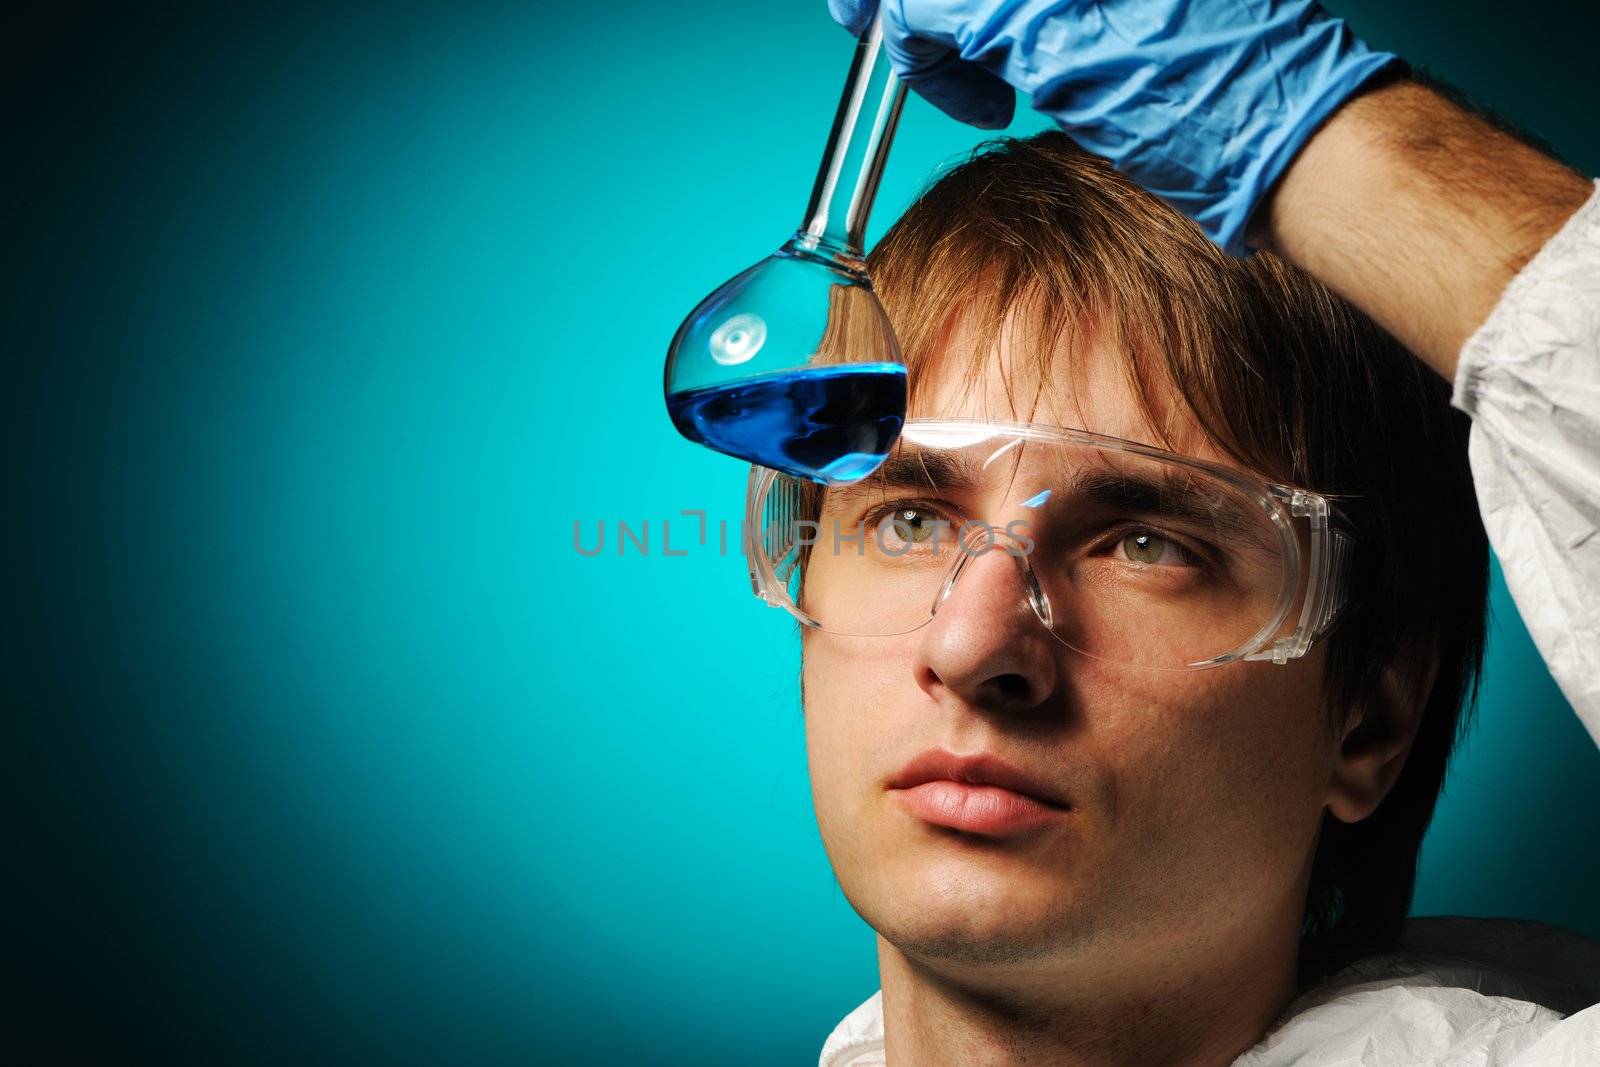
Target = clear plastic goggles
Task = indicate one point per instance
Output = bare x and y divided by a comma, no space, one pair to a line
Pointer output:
1125,552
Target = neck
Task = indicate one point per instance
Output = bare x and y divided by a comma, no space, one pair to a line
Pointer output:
1204,1014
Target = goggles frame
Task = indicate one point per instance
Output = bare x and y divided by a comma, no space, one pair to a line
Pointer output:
1323,565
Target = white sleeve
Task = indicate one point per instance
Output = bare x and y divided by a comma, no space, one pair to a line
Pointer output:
1530,379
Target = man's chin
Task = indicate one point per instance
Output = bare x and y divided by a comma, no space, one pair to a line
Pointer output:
971,945
971,920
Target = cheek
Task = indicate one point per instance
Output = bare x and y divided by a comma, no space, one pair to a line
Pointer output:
1232,761
849,688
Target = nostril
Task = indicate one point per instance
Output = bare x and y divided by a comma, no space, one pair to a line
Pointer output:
1011,688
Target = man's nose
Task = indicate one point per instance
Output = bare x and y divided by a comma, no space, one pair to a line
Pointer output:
986,645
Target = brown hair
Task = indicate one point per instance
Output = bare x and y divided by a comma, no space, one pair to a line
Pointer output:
1281,375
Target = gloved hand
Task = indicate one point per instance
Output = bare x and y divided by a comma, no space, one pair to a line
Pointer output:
1203,102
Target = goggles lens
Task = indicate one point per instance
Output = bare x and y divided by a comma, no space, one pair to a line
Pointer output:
1128,555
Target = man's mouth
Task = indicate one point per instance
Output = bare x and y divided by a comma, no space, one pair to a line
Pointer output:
978,793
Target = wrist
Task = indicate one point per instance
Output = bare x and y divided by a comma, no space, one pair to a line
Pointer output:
1344,158
1357,73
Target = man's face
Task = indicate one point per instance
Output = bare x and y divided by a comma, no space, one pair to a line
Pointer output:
1194,797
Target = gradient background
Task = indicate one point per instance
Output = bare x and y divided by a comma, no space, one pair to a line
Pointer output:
322,327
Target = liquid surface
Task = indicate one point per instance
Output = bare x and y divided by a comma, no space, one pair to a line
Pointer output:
832,424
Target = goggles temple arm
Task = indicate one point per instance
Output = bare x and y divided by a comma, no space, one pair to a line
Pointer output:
1326,570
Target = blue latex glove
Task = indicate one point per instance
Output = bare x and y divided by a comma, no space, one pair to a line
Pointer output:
1202,102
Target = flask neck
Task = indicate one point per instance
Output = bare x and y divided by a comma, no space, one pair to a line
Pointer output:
847,182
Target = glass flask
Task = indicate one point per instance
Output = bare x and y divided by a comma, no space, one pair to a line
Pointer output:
792,364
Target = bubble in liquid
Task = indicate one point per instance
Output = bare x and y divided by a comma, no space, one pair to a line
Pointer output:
738,339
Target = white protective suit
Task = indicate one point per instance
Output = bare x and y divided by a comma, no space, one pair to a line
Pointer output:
1463,992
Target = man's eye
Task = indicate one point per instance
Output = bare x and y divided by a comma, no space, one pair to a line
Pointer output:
908,526
1147,546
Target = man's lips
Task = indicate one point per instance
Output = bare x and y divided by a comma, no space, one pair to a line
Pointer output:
979,794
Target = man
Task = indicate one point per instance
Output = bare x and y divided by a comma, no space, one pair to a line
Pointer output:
1130,781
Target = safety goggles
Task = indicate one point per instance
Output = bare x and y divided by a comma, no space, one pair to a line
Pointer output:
1126,553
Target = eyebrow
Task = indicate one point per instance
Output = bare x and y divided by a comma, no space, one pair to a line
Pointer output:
913,468
916,468
1163,498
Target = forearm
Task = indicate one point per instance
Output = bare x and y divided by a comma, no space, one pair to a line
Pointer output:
1418,212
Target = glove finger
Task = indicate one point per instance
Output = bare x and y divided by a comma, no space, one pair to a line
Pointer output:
853,15
964,91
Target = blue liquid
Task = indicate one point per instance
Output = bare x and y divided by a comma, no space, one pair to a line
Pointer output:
833,423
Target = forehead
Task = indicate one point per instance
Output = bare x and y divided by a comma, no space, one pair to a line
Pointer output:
1081,377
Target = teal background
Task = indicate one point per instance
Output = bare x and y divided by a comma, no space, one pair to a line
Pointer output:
323,327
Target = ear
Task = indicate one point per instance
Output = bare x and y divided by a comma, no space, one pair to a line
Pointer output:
1376,738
